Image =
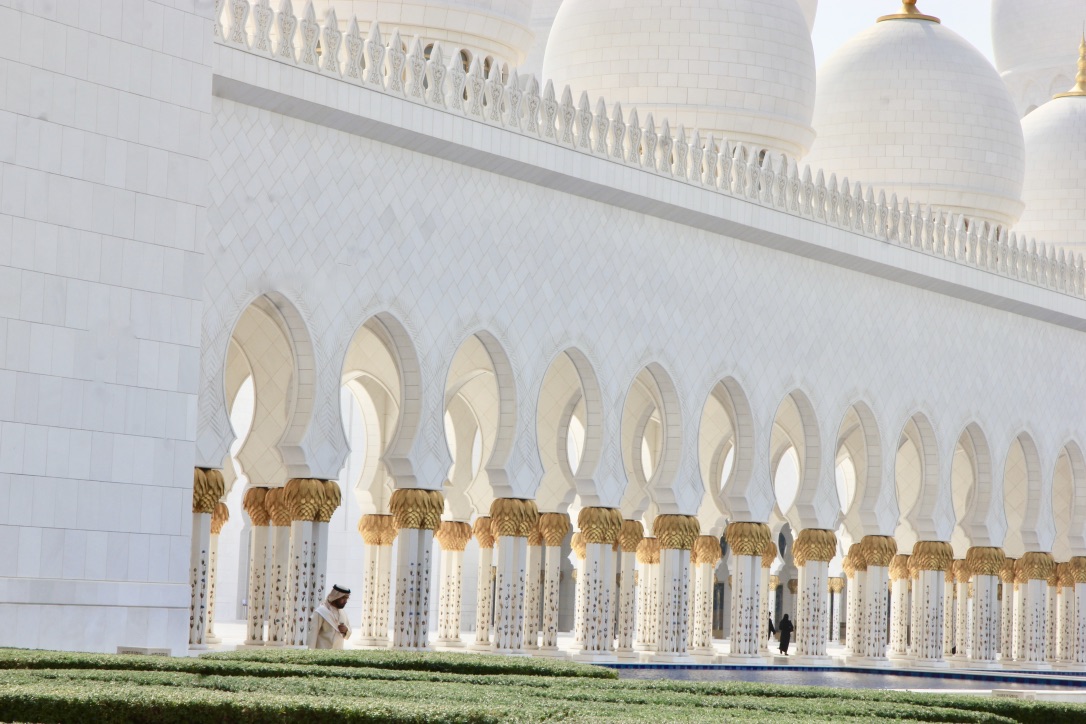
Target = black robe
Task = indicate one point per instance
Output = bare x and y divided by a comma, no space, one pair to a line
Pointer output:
786,628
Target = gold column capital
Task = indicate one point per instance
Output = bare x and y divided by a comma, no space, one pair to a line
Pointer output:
599,525
769,554
579,545
1008,571
453,535
648,551
1037,565
513,517
416,508
208,488
879,550
484,532
676,532
330,500
377,530
630,535
932,555
836,584
747,539
304,498
706,549
276,503
774,581
899,568
985,560
254,504
814,544
1077,569
553,527
857,555
793,585
219,518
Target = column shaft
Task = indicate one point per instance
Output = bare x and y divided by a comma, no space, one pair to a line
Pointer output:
899,618
627,597
552,573
279,586
260,544
986,630
532,586
198,578
509,593
448,623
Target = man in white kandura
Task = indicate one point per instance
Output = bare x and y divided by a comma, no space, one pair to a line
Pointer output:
329,628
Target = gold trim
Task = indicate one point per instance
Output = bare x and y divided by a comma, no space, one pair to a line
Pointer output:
1080,77
909,12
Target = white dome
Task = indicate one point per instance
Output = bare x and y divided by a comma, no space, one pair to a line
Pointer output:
910,107
1031,40
741,69
492,29
1055,186
810,10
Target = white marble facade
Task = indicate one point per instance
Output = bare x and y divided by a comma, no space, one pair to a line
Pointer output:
526,293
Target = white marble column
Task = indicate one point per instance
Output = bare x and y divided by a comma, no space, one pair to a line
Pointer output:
648,594
599,529
260,544
1051,616
704,557
899,607
311,503
298,579
207,489
1065,634
1036,567
930,560
218,520
984,563
1007,612
453,538
1078,576
511,520
949,617
278,568
417,514
676,534
533,586
378,533
747,542
629,539
578,546
769,555
484,585
879,552
857,603
553,527
837,587
961,610
851,587
812,553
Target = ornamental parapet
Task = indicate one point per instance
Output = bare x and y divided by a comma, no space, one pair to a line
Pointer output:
434,76
747,539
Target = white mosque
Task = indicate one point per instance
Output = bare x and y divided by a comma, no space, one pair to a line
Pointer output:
592,328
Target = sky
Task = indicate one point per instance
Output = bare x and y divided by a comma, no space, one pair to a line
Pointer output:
839,20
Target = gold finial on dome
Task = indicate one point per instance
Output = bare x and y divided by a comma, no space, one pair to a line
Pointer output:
1080,77
909,12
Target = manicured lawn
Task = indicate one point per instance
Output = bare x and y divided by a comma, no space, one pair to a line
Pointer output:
377,686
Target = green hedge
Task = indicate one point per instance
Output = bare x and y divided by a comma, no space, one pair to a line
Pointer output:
275,686
405,661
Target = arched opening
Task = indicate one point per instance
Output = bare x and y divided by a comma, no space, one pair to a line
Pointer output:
794,455
650,438
1069,503
724,450
970,481
916,479
1021,496
857,464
